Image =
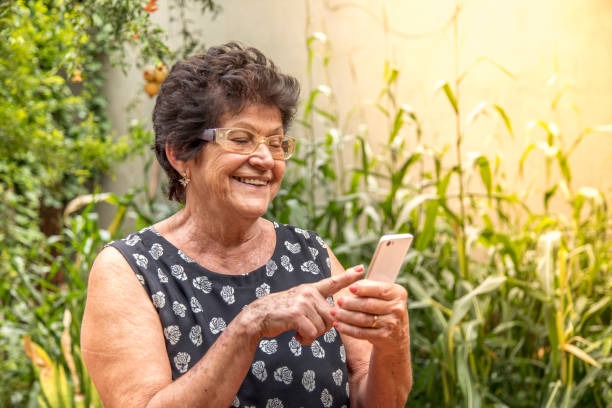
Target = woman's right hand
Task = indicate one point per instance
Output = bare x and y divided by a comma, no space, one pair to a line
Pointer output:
304,308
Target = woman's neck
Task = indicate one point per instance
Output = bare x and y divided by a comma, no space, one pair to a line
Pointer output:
202,229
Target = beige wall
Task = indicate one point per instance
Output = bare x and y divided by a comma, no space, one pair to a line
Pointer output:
534,40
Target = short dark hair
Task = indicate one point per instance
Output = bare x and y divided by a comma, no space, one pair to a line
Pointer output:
201,89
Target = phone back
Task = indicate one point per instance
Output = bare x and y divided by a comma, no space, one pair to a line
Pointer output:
388,257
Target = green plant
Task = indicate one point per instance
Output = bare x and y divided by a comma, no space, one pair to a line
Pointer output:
57,144
54,310
509,306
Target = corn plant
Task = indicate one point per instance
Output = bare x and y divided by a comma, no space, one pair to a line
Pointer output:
509,306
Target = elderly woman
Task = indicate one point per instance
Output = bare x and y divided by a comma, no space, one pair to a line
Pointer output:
216,306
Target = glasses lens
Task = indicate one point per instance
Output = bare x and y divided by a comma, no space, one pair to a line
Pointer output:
239,141
288,146
276,146
245,142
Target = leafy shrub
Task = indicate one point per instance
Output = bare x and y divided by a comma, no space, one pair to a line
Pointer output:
57,144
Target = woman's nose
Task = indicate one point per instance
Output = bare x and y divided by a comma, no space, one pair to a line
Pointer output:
262,153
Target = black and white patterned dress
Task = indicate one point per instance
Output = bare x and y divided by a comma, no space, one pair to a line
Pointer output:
195,305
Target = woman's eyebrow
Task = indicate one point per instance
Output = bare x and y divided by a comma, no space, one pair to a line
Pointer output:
249,126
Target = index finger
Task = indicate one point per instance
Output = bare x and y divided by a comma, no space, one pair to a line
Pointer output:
333,284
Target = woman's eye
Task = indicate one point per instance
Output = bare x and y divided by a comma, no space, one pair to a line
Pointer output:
275,141
240,138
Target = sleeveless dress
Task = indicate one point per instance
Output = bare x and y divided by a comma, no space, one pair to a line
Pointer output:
195,305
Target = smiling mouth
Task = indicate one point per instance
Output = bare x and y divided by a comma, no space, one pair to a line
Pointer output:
254,182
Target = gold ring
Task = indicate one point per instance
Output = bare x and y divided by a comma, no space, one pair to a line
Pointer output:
375,321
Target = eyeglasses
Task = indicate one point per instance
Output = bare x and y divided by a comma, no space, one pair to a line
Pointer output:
244,141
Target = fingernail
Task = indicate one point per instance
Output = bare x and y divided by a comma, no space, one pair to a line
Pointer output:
353,289
339,301
333,312
359,268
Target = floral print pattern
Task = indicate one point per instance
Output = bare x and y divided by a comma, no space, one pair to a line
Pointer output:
195,306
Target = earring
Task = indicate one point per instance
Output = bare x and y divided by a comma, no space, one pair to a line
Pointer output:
184,180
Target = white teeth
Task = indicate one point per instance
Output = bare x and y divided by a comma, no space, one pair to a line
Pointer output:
252,181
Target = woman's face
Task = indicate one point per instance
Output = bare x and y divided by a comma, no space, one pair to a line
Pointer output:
228,185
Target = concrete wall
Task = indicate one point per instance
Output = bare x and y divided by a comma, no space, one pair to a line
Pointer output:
548,49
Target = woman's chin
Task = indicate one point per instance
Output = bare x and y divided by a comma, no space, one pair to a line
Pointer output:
252,211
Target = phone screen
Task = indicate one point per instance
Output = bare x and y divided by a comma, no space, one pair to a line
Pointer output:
389,257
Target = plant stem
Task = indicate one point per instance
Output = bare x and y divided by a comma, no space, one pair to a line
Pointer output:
461,247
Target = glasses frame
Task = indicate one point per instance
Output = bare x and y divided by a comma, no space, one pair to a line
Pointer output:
215,134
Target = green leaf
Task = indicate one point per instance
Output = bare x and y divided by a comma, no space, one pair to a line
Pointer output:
485,174
549,194
398,123
505,118
581,354
465,378
564,167
444,182
530,147
462,305
450,96
428,231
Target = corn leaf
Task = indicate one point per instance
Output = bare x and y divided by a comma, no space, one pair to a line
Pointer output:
581,354
463,304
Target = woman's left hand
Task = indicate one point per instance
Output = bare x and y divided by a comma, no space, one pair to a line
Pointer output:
376,312
372,318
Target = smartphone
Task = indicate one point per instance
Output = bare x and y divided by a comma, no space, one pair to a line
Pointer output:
389,257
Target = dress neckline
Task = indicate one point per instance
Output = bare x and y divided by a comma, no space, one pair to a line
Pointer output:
252,273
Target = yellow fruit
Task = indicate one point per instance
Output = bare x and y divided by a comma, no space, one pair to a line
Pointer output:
161,72
76,76
151,88
149,73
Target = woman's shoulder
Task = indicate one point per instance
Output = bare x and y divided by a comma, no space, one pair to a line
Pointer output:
124,254
110,269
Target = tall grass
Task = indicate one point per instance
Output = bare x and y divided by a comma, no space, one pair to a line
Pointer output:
509,306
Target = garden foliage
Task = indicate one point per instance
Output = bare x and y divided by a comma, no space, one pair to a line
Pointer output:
57,144
509,306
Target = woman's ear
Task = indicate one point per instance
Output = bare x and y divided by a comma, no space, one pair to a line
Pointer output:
179,165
